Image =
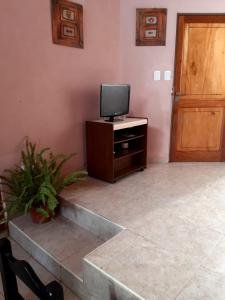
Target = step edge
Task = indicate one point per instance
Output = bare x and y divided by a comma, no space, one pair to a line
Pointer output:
99,215
103,244
87,261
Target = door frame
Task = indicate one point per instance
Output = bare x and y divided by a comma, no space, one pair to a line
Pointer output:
173,93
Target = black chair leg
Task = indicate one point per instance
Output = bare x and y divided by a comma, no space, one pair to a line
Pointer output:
8,277
11,268
56,291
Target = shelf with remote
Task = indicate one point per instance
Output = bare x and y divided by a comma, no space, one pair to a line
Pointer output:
116,149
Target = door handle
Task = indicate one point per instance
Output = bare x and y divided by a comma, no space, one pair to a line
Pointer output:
177,96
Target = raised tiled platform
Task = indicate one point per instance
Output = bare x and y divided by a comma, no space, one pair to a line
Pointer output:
174,241
175,220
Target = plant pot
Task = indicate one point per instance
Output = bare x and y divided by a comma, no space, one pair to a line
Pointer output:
38,218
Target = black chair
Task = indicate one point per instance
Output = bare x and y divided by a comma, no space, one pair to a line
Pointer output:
11,267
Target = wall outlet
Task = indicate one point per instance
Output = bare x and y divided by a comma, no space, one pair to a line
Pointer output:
167,75
157,75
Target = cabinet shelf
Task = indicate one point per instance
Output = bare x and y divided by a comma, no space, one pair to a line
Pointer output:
122,139
124,154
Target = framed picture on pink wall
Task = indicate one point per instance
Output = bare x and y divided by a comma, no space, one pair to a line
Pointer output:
151,20
151,26
67,23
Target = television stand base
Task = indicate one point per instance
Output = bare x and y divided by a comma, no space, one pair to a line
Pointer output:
110,119
113,119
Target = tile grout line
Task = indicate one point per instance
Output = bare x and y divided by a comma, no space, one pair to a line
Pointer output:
194,276
213,272
185,285
211,253
199,268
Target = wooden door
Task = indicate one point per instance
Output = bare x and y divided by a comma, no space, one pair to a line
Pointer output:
199,89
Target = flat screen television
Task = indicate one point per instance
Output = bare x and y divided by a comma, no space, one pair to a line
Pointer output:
114,100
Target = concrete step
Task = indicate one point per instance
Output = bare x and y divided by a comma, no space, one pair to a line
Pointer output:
59,245
62,244
72,247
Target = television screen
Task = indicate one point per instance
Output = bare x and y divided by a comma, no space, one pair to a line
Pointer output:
114,100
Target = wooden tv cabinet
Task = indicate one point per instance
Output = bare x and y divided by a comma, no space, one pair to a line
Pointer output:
106,157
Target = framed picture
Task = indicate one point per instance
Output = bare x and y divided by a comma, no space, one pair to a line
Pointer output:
151,26
67,23
151,20
150,33
68,15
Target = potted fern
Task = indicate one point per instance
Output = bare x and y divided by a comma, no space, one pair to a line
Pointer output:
34,185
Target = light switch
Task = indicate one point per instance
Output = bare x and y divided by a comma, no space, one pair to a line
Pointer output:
167,75
157,75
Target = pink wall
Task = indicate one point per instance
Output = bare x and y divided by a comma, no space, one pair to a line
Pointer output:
47,90
153,98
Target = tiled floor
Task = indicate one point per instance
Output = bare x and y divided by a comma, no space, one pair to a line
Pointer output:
44,275
174,244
